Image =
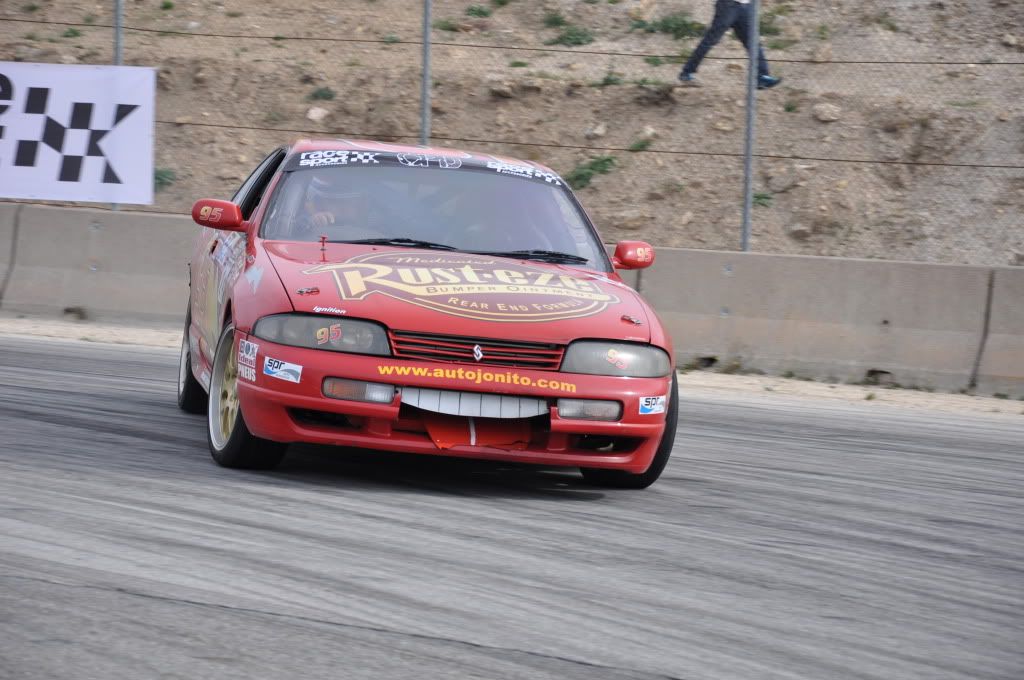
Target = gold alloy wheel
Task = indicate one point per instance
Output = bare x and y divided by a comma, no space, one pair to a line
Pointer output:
229,396
224,392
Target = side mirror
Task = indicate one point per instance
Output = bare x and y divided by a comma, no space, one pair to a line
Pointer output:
209,212
633,255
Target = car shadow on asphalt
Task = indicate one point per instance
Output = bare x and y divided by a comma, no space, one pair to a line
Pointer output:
336,466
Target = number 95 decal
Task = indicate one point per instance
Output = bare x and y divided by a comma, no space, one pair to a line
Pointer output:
211,214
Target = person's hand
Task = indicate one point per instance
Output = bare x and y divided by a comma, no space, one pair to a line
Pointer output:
322,219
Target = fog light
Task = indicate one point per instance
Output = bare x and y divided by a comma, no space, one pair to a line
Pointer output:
589,409
357,390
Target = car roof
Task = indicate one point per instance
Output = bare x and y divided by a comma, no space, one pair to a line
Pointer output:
468,157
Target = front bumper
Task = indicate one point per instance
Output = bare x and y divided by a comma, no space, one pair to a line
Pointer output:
285,411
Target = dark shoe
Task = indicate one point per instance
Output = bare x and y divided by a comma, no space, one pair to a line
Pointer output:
688,79
766,82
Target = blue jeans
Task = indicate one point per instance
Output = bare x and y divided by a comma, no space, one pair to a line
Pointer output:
728,14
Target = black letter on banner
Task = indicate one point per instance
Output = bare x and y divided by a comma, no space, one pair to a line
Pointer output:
6,92
6,95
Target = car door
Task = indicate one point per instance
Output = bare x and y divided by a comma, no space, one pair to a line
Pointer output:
223,256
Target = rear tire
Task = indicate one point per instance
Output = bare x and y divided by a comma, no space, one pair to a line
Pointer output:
191,395
231,443
620,479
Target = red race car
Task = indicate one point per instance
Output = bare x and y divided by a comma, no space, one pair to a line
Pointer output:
422,300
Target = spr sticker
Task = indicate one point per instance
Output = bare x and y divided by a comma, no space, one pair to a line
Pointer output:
282,370
651,405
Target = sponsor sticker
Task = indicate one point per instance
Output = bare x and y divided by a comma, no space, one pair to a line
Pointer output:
328,310
282,370
469,286
420,160
526,171
479,377
318,159
247,360
652,405
229,260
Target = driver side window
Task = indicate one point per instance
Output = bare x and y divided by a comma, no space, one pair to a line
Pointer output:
248,195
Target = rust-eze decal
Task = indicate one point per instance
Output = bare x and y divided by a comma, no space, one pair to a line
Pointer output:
469,286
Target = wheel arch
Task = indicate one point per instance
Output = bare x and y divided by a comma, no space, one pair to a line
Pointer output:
227,316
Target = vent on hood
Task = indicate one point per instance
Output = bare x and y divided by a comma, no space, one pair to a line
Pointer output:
455,348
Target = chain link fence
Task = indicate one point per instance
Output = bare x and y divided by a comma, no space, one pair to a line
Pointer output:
898,130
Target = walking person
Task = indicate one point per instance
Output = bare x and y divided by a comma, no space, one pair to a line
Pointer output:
737,15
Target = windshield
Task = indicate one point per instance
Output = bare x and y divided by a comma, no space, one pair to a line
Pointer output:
470,209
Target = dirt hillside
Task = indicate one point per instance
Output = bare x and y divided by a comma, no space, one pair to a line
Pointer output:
299,70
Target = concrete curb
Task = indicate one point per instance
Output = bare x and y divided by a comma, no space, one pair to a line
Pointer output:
1001,368
111,265
908,323
9,221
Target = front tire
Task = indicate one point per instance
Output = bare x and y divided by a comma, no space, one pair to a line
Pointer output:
231,443
620,479
191,395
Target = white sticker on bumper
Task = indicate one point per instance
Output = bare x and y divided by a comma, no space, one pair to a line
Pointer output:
247,360
652,405
282,370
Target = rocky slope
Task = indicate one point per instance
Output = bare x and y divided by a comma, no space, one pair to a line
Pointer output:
681,183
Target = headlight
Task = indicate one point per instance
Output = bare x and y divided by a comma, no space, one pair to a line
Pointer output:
616,358
324,332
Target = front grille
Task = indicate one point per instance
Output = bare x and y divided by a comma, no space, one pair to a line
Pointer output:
473,404
538,355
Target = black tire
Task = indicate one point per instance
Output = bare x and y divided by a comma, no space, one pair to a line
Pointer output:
231,443
620,479
192,397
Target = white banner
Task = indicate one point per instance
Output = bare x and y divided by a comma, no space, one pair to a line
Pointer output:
76,133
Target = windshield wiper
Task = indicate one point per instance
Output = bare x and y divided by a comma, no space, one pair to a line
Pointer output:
539,255
415,243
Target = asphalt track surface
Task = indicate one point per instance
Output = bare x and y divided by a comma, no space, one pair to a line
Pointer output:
787,539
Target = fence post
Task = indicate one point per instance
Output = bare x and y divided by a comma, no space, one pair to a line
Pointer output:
118,45
118,31
425,91
754,41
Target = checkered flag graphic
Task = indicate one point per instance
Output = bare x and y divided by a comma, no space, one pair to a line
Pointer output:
55,135
362,157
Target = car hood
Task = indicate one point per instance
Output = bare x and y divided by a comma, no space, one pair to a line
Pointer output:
433,291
